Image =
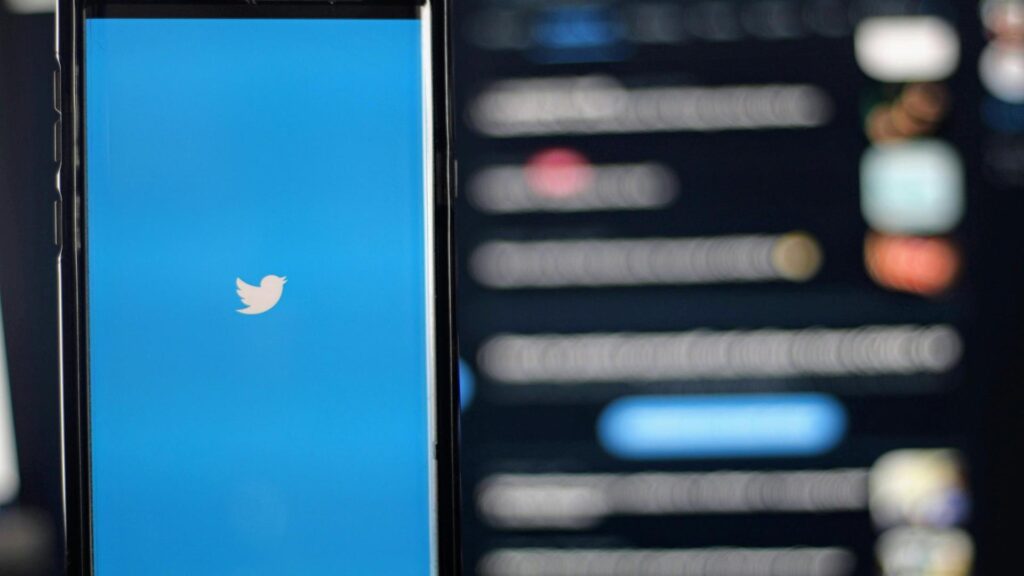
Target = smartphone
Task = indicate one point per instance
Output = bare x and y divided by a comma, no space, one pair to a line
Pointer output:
254,223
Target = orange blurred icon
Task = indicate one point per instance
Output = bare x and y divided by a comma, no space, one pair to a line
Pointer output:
926,266
559,173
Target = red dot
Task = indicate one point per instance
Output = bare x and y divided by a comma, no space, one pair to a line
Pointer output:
559,173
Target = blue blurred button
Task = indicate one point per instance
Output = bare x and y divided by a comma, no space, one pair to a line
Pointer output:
718,426
467,384
578,33
577,27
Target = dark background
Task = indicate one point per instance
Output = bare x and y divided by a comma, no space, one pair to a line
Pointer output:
28,289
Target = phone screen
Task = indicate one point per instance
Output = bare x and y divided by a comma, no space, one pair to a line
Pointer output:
258,246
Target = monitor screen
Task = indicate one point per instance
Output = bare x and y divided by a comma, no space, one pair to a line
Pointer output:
735,291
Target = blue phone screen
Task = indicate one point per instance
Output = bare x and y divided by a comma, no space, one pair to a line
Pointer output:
257,292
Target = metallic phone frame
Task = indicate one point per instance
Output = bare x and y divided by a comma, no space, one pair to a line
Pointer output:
70,225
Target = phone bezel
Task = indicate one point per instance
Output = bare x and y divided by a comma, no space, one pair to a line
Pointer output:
72,263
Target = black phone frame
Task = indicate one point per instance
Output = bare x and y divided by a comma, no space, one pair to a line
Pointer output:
70,235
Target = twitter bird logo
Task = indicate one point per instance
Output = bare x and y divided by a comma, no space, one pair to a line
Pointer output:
259,299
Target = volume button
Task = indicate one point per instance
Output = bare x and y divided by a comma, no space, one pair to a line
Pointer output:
57,220
56,90
455,179
56,140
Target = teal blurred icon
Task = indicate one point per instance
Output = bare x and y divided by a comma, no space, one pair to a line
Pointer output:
912,187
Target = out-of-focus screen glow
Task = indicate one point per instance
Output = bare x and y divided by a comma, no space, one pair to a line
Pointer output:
257,297
731,299
9,478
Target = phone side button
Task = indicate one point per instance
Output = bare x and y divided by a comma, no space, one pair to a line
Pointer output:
56,89
56,140
57,222
455,179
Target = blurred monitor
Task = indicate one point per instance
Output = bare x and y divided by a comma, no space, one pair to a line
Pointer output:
739,283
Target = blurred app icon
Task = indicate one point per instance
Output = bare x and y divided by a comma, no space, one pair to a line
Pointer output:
918,488
912,187
918,110
1002,71
1004,19
925,552
906,48
925,266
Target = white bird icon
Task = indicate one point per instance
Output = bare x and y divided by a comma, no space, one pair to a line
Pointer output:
259,299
